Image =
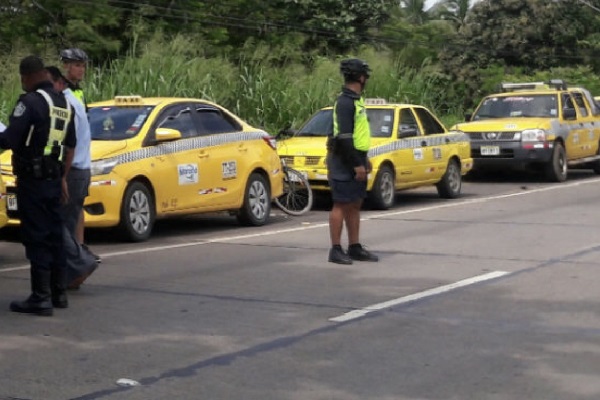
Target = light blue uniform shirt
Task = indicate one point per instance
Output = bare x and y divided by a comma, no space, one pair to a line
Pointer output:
82,158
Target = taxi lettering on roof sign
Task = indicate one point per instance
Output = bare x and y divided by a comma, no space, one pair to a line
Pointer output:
540,126
410,147
160,157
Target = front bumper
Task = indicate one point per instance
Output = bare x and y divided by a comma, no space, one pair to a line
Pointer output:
512,153
102,206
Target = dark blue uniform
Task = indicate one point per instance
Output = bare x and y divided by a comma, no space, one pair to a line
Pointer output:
342,156
39,187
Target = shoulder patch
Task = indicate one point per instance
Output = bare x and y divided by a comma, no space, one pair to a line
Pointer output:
19,109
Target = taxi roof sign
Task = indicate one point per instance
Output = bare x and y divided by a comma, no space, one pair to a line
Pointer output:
128,100
375,101
558,84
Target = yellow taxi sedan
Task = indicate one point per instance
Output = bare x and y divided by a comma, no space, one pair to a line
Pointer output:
3,196
410,147
159,157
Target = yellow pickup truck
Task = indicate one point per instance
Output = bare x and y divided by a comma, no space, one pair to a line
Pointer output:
542,126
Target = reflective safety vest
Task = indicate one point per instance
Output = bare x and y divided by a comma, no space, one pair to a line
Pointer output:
59,122
361,136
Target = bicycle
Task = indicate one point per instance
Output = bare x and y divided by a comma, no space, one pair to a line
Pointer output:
297,197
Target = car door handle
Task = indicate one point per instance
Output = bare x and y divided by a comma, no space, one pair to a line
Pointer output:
242,147
203,154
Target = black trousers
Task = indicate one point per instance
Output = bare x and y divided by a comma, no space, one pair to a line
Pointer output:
39,204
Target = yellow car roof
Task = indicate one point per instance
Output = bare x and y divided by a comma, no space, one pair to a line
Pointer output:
135,100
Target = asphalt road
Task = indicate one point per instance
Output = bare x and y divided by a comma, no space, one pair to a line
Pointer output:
490,296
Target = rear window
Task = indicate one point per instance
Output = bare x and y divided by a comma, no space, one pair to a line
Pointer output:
117,123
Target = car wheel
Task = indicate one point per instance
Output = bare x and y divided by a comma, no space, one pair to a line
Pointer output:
257,202
383,192
451,183
137,212
556,169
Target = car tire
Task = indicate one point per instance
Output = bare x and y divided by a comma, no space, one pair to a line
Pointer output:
450,185
137,212
256,208
383,192
556,169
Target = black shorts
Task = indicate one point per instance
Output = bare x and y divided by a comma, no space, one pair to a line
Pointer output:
347,191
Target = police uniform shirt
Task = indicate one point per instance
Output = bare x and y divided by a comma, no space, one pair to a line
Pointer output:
342,162
32,110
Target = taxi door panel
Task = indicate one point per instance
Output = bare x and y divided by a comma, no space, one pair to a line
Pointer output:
574,142
176,170
225,160
588,136
437,147
409,158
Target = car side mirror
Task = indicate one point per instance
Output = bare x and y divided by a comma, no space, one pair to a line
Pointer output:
167,134
468,117
407,132
569,113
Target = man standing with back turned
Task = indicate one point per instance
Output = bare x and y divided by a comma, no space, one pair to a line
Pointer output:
41,134
347,163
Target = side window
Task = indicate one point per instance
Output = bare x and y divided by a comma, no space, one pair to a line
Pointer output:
408,123
178,117
578,97
567,101
211,120
430,124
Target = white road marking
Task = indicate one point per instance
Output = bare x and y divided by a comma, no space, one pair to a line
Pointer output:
354,314
384,214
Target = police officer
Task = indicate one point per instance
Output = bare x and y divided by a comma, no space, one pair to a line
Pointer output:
75,65
347,163
41,134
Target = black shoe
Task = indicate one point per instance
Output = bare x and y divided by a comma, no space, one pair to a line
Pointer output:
337,255
96,256
43,308
60,301
359,253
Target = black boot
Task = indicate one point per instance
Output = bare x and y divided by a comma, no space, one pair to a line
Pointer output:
38,302
337,255
59,287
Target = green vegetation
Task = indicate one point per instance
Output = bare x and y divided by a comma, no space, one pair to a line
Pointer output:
275,63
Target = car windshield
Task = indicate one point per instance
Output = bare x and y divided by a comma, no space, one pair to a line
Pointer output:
532,106
381,122
116,122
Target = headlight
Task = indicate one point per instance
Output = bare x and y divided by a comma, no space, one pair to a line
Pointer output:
103,167
533,135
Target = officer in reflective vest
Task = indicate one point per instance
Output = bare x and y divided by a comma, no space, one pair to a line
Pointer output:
41,135
347,163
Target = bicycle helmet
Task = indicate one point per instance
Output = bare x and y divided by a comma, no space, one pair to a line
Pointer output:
353,68
73,54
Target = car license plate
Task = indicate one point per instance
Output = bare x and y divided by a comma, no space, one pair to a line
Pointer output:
11,202
490,150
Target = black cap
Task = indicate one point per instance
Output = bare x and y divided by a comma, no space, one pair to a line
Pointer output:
55,73
30,65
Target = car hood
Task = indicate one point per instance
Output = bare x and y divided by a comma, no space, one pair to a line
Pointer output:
502,124
104,149
302,146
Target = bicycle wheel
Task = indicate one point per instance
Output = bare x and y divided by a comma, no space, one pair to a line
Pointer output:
297,197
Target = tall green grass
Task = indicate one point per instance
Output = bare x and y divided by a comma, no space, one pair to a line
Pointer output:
254,87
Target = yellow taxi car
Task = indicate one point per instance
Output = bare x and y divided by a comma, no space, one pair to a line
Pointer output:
3,196
410,147
159,157
539,126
